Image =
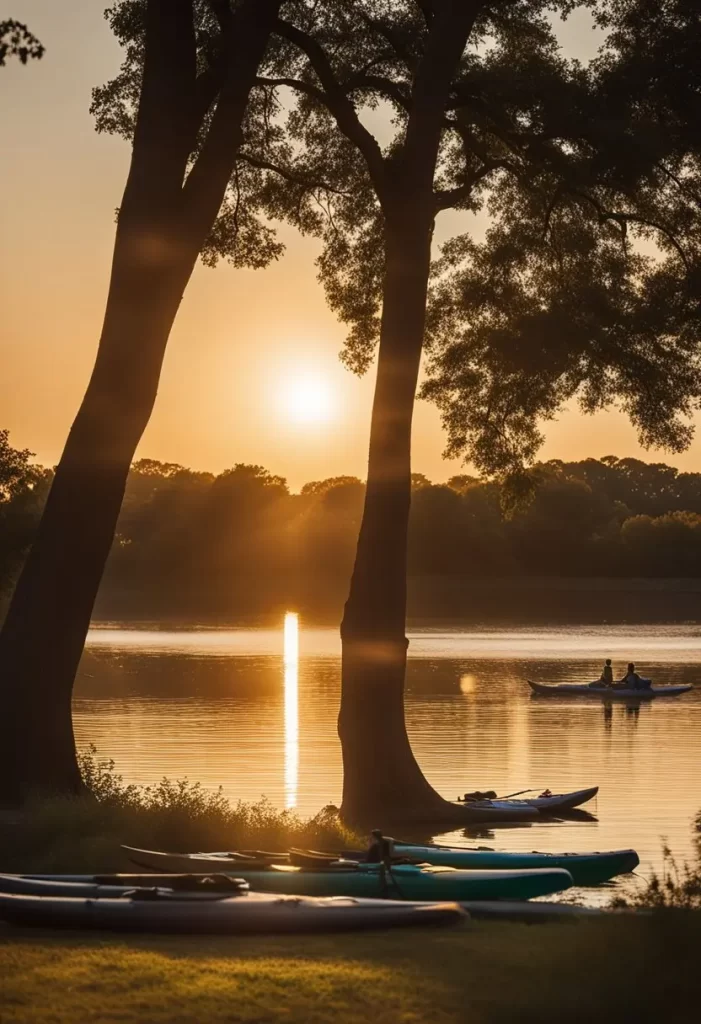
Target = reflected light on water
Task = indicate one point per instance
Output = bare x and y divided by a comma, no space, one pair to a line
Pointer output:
467,683
291,664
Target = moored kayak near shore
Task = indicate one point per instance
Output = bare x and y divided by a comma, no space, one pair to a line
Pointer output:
404,881
551,804
607,692
246,913
585,868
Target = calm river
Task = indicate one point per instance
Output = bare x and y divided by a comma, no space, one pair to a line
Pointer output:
254,710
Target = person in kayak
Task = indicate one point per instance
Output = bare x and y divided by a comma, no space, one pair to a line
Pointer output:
632,681
606,678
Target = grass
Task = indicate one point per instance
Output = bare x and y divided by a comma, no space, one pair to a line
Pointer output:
84,834
614,970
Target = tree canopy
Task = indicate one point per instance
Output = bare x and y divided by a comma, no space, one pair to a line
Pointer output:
587,286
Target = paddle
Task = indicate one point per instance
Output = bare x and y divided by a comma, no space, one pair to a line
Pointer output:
509,796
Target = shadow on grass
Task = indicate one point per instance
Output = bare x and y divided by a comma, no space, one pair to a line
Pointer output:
594,970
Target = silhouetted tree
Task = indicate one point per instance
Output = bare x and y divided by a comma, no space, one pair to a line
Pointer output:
475,91
190,67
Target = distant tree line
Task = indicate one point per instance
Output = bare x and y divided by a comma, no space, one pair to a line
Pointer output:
199,543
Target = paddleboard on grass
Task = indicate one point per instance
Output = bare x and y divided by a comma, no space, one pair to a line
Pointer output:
247,913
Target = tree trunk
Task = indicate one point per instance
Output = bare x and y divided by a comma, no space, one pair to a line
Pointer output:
382,781
165,217
44,632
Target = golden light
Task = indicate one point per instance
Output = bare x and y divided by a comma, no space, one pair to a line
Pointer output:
307,398
291,703
467,683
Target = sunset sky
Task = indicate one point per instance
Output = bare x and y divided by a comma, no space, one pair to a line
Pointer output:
252,371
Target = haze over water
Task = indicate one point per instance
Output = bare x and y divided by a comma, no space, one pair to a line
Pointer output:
244,709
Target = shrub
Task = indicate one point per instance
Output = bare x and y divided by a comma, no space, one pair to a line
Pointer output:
677,887
84,834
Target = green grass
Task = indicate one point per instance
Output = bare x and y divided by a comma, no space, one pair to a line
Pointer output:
84,834
601,970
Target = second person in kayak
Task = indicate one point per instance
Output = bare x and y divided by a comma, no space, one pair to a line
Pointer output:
632,681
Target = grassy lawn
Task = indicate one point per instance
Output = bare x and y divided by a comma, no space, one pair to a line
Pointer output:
593,970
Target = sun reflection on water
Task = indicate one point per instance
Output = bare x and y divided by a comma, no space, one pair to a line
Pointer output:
291,665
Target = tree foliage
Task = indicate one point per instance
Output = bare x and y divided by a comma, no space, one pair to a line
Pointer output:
17,41
198,544
586,287
588,284
23,490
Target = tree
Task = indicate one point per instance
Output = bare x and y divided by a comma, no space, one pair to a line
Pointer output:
470,89
17,41
190,68
23,487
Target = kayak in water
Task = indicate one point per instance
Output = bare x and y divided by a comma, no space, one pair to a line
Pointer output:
323,877
546,803
246,913
608,692
482,812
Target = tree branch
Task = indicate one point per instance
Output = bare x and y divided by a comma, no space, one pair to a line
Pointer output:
681,185
378,83
204,189
287,174
450,198
296,84
623,219
338,102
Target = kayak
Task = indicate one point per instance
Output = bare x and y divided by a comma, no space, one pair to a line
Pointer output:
585,868
352,878
545,804
247,913
608,692
482,812
562,801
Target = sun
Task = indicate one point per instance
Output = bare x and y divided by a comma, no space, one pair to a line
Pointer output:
307,398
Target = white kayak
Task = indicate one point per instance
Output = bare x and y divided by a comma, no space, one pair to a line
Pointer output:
247,913
607,692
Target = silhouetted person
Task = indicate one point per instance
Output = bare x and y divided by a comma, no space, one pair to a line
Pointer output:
606,678
632,681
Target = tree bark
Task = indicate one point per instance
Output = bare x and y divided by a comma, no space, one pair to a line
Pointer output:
382,781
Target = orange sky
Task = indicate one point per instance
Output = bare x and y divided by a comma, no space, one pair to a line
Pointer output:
241,336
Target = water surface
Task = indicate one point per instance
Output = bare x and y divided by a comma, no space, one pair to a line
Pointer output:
254,710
